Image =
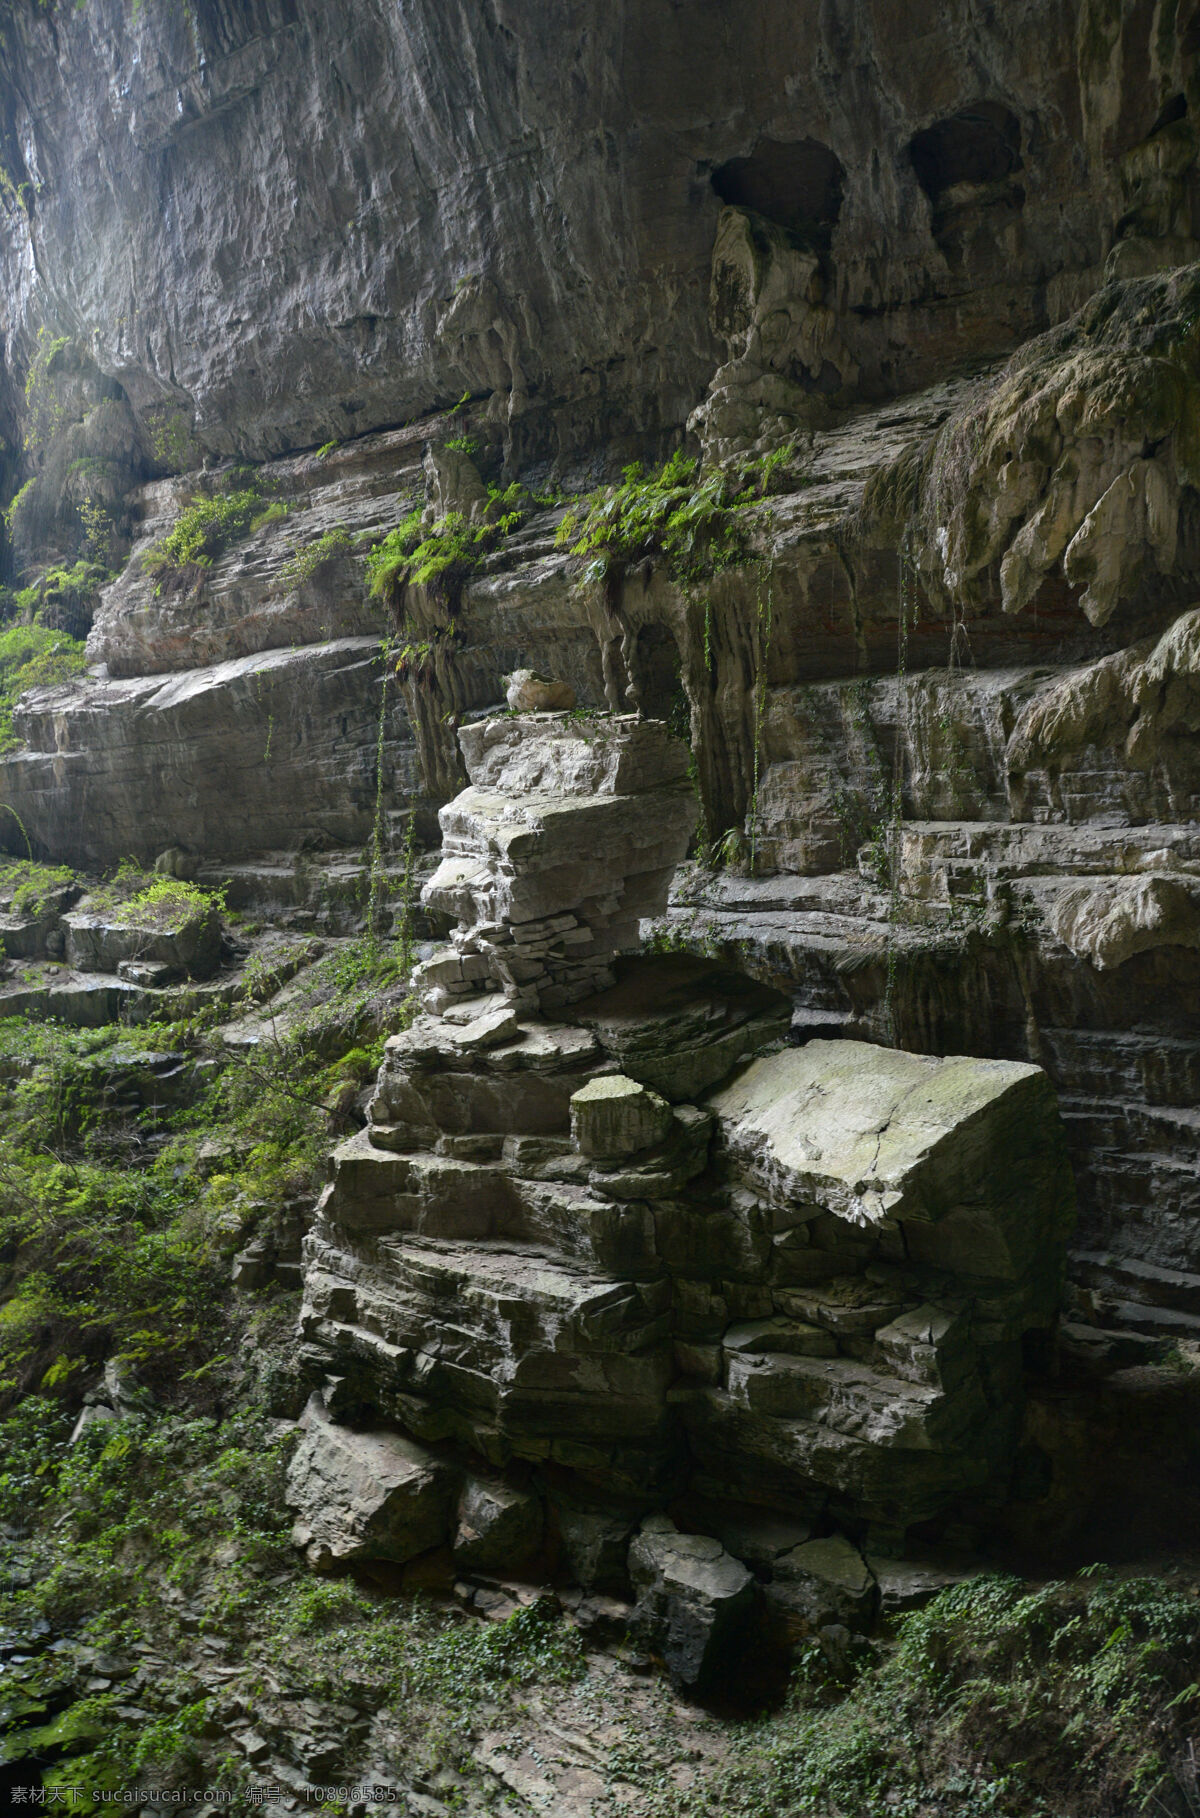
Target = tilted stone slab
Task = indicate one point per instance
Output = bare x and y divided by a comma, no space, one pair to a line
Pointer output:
877,1136
101,940
546,855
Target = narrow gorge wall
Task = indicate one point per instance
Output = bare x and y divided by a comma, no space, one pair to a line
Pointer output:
913,306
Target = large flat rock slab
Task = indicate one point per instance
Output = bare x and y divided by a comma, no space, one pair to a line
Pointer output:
366,1495
877,1136
262,751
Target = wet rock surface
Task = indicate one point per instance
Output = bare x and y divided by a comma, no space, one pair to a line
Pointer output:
808,1292
707,1250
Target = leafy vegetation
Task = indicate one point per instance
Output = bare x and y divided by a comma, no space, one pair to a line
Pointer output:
33,656
121,1202
28,886
1068,1700
303,564
154,902
45,416
20,502
61,593
208,525
693,526
442,555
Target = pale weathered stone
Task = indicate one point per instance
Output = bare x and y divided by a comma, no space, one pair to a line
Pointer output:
568,834
907,1584
102,940
613,1116
230,759
528,692
1109,921
875,1135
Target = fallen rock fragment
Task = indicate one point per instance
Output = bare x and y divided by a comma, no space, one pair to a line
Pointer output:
499,1526
695,1600
365,1495
613,1116
825,1581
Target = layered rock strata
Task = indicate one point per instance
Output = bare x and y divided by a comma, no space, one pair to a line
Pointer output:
566,840
652,1256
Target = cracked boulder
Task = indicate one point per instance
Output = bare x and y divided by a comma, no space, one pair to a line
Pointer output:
499,1526
883,1138
613,1116
824,1581
365,1495
696,1602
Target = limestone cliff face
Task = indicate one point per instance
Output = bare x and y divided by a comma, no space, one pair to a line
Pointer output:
945,265
275,222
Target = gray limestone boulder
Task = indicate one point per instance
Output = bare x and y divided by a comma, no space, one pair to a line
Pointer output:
907,1584
824,1581
695,1600
613,1116
499,1526
967,1155
528,692
595,1545
1108,920
104,940
372,1495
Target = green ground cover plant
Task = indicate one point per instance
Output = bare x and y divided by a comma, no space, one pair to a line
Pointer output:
208,525
28,886
442,555
304,563
1072,1699
693,526
33,656
159,904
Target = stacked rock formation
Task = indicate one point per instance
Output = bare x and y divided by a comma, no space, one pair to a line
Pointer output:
653,1265
568,836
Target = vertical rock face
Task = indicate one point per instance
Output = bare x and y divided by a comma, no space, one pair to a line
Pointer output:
942,185
627,1254
265,751
602,1233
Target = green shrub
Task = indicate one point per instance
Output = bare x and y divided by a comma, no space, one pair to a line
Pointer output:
210,524
205,528
442,556
33,656
160,904
1069,1700
169,904
41,398
29,886
694,527
64,599
303,564
19,504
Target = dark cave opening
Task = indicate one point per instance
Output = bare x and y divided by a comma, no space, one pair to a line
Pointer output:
979,145
797,186
966,164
